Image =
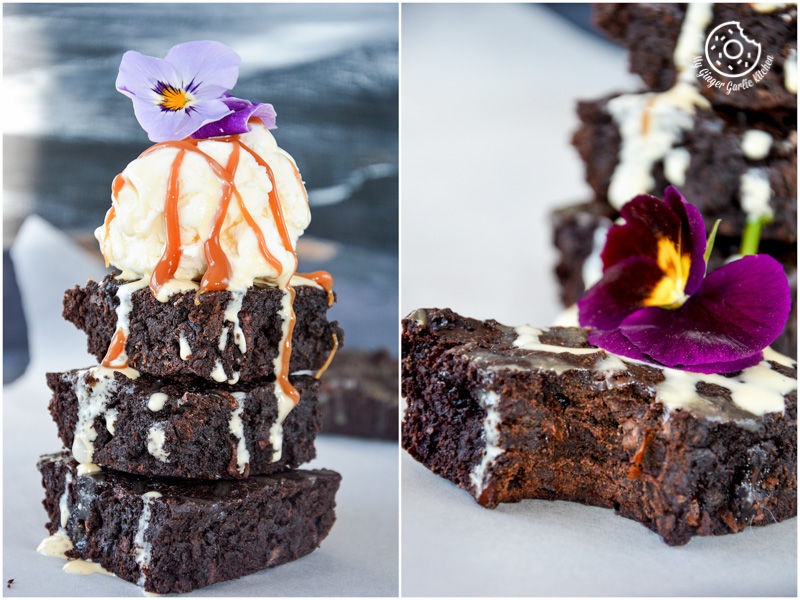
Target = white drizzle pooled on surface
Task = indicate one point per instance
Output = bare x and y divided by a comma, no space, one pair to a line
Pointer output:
758,390
57,544
650,124
754,194
491,434
92,403
676,162
155,442
84,567
142,548
218,374
236,428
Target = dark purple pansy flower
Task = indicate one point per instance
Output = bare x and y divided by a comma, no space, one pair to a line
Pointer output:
175,96
655,302
236,121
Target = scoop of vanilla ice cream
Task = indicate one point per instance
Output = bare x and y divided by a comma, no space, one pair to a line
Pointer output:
134,239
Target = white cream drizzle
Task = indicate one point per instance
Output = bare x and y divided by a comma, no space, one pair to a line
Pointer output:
236,427
232,316
218,374
676,162
92,402
758,389
111,420
156,401
650,124
754,194
57,544
756,144
124,294
790,71
491,434
223,339
285,403
155,442
592,270
184,348
87,469
142,548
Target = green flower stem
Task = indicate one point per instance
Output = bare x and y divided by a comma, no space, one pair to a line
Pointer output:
752,235
710,242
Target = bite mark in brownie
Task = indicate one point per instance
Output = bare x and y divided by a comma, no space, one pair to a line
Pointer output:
358,395
181,339
173,536
201,430
509,414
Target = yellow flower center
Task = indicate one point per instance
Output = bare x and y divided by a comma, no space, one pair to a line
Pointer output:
174,99
668,292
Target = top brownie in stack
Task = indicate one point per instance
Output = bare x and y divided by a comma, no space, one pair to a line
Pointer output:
650,32
216,335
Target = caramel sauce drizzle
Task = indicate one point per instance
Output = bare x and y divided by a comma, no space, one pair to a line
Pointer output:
327,364
218,274
324,280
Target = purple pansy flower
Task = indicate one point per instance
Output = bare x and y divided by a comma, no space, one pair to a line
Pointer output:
656,303
176,96
236,122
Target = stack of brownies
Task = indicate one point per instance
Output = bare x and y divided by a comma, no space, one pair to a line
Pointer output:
179,470
730,149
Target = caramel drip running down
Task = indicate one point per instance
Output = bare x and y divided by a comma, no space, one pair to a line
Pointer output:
218,273
115,349
324,280
168,264
327,364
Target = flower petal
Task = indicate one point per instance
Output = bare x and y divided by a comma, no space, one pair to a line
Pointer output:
138,75
236,121
621,291
739,310
613,341
693,239
206,62
163,125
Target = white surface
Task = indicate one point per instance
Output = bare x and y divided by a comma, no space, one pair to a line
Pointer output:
454,547
358,558
487,110
488,100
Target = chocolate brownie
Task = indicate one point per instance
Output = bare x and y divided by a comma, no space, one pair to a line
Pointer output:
651,32
183,338
358,395
732,167
579,233
172,536
149,426
509,414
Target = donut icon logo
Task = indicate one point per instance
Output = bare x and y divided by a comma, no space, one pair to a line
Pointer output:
730,52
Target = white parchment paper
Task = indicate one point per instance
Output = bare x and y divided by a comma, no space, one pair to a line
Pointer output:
358,558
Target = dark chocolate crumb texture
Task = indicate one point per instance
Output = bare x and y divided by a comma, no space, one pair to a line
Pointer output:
147,426
217,335
358,395
172,536
661,36
735,167
508,414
